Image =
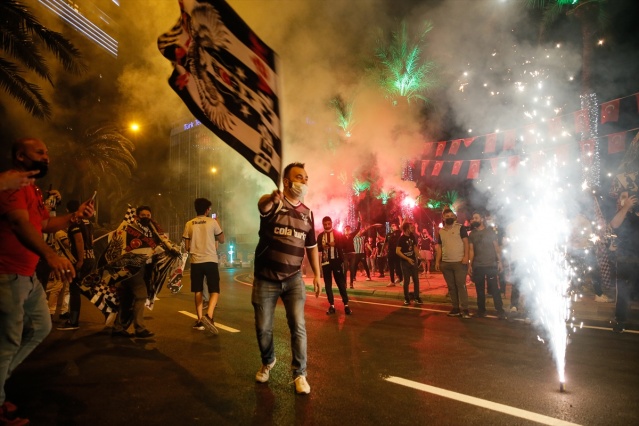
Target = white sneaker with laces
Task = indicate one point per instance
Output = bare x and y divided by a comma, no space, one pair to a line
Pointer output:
265,372
302,386
603,299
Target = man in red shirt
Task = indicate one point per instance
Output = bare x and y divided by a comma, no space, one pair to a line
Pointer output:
24,314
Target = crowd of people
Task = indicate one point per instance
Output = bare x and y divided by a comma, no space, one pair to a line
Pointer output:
42,250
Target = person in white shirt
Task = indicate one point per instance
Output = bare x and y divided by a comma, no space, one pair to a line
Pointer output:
201,235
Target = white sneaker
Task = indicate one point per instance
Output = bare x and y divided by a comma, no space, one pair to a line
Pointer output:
603,299
265,371
301,385
513,309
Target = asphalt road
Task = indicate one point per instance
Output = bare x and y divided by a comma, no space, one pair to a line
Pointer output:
385,364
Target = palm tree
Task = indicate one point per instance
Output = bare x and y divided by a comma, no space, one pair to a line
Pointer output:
23,38
592,16
100,159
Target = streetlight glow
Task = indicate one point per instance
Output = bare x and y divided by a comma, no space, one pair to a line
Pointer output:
134,127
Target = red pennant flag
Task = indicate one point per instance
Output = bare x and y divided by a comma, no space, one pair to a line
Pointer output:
457,166
473,169
581,121
513,163
587,151
494,162
437,168
491,143
469,141
555,126
610,111
454,147
428,148
616,142
424,165
441,146
509,140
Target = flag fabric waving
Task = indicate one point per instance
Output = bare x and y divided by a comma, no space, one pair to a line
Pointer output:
227,78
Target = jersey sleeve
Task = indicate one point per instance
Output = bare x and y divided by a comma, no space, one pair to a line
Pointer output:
463,232
311,240
187,231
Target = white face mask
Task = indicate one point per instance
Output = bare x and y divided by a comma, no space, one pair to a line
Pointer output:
298,189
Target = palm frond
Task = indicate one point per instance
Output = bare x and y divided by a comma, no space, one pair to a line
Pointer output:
27,94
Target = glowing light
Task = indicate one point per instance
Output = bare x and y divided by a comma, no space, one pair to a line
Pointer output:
360,186
344,112
385,196
600,42
135,127
401,70
213,170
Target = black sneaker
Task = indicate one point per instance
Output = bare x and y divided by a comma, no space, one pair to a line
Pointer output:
454,313
418,301
198,326
68,326
618,327
64,316
144,334
347,310
481,314
501,315
208,324
406,302
331,310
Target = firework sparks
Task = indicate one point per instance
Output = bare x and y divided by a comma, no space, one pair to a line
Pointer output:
401,69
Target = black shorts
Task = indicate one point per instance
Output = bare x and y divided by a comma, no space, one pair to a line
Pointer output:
208,270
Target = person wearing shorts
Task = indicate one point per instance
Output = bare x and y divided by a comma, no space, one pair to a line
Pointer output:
201,236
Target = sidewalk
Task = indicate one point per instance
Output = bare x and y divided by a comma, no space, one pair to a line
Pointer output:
434,290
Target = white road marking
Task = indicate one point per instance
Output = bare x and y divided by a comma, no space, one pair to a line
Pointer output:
217,324
516,412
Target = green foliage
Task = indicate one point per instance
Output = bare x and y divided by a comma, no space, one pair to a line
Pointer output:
401,70
22,38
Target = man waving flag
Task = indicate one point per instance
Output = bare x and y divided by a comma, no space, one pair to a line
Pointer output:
226,76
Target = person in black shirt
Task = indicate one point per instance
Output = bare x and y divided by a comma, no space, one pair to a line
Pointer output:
393,260
80,236
408,254
329,246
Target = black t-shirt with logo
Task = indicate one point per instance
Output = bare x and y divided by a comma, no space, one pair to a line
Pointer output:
406,245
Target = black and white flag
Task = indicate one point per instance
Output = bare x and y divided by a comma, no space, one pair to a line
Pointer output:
227,78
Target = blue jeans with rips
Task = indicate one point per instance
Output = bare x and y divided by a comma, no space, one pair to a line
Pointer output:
24,321
292,291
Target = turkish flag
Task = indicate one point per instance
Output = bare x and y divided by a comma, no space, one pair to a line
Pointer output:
616,142
457,166
437,168
473,169
441,146
454,147
424,165
587,151
610,111
491,143
509,140
468,141
513,163
555,126
581,121
494,162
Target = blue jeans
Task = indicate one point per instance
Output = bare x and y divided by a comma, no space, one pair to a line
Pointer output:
264,299
24,321
410,271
